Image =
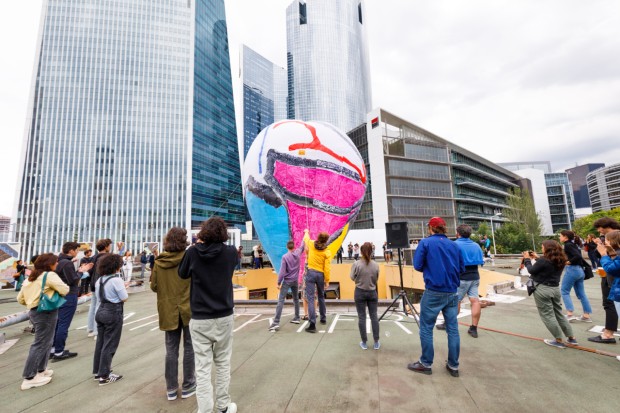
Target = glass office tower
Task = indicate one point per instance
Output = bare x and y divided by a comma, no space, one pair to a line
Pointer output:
119,143
328,64
264,94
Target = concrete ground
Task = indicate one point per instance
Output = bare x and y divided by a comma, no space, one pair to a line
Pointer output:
293,371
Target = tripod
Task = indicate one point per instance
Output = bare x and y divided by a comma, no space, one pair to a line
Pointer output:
402,295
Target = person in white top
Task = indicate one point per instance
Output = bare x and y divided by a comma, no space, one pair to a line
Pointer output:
127,266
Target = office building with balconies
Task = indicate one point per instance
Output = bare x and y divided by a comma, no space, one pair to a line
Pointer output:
131,125
328,62
415,175
604,188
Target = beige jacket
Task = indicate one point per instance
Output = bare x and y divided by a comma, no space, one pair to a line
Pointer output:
31,291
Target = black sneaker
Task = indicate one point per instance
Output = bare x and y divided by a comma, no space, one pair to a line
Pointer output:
97,377
65,355
473,331
440,326
311,328
110,379
419,368
453,372
295,321
323,321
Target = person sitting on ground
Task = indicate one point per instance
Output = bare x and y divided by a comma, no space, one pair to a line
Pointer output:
546,275
288,278
112,295
35,372
174,313
365,273
574,276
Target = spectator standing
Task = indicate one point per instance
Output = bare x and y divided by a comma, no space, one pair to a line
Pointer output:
174,313
239,257
441,264
317,276
143,261
288,278
590,247
112,295
261,256
574,277
66,271
127,266
103,247
20,275
339,254
152,256
210,265
373,250
35,372
350,250
365,273
356,251
610,260
546,275
85,278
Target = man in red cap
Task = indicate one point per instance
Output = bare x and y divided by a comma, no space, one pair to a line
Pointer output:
441,264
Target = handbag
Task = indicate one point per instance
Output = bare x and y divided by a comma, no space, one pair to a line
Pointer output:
47,303
587,270
531,286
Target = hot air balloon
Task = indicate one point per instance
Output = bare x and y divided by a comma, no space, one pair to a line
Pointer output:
300,175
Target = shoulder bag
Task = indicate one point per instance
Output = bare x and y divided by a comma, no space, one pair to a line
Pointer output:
531,286
47,303
587,270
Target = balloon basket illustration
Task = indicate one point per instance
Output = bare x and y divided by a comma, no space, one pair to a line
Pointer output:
300,175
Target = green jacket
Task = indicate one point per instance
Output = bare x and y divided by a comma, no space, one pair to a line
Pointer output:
172,291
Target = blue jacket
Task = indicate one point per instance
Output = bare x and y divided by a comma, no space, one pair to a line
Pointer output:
472,258
611,266
441,263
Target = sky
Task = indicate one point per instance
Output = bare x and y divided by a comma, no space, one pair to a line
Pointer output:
510,81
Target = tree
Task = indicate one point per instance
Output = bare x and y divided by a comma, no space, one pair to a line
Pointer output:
523,231
584,226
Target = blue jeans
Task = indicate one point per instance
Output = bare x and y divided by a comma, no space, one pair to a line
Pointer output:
573,277
94,306
432,303
294,286
65,316
315,278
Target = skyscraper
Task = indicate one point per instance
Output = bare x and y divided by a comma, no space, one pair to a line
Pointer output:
577,178
131,126
328,65
264,94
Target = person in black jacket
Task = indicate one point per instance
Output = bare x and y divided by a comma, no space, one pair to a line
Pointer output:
546,275
103,247
210,265
574,277
66,271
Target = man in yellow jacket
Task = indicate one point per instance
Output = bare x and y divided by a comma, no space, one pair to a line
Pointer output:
317,278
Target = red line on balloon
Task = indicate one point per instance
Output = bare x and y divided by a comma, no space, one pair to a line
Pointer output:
317,145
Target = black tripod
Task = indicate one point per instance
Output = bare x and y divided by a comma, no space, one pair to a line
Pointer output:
402,295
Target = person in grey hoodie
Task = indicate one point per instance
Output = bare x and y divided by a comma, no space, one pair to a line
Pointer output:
210,265
288,277
365,273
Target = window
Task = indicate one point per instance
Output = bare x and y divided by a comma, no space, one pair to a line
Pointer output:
303,19
359,12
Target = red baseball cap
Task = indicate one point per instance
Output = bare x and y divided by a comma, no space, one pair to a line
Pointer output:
436,222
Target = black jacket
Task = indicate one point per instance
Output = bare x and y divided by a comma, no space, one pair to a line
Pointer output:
573,253
67,273
94,275
544,272
210,267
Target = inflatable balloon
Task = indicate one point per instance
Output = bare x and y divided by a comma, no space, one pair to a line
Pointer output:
300,175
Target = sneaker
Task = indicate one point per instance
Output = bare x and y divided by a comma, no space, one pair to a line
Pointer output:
274,327
440,326
187,393
618,358
555,343
473,331
572,341
453,372
419,368
583,319
64,356
97,377
377,345
323,321
171,394
91,334
110,379
311,328
295,321
363,345
47,373
232,408
37,381
571,317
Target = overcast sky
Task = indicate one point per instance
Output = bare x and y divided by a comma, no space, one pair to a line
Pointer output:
509,80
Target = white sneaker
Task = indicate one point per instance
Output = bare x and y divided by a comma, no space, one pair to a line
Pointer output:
37,381
47,373
618,358
232,408
92,334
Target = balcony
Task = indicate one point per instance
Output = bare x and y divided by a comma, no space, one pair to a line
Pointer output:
481,202
482,174
475,185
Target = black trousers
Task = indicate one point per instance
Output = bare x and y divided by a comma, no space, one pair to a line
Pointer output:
109,320
611,315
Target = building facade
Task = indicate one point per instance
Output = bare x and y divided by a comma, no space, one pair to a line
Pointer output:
328,63
604,188
577,178
415,175
264,94
129,107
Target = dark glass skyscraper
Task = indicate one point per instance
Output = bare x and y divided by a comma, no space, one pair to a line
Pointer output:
131,126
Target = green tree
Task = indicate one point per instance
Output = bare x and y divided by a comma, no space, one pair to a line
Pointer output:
584,226
523,231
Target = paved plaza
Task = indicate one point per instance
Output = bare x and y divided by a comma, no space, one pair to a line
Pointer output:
292,371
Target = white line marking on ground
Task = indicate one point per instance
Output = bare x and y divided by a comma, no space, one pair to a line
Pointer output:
155,328
246,323
403,327
303,325
124,318
140,326
140,319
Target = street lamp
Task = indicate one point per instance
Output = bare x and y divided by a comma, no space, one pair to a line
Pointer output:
499,214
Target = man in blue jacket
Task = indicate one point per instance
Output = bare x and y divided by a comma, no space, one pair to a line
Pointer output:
441,264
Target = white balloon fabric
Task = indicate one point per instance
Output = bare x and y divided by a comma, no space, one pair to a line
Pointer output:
300,175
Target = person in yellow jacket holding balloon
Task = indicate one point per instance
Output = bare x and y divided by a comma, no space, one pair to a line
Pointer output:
317,277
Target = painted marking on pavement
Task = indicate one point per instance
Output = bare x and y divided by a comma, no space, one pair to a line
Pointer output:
140,319
142,325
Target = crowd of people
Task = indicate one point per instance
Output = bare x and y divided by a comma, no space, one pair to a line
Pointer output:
195,299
